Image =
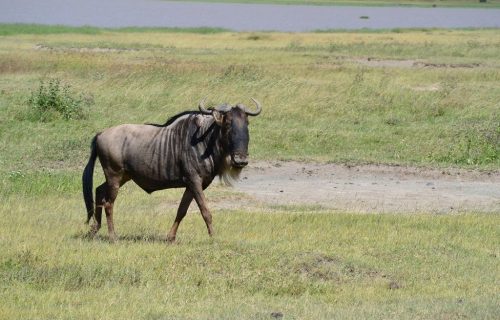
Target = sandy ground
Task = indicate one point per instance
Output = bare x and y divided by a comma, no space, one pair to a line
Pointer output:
369,188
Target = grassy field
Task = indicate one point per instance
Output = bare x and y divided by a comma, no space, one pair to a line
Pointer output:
305,265
426,98
410,97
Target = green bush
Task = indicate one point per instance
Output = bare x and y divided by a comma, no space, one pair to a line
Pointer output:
54,100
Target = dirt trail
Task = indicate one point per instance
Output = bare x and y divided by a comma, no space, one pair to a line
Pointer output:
371,188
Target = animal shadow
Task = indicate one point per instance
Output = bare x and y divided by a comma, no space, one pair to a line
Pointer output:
152,238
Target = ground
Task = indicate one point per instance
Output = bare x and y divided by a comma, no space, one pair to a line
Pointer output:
371,188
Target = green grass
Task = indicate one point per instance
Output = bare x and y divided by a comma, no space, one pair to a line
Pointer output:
323,101
16,29
406,3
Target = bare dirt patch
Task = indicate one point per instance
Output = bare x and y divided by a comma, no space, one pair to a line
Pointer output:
446,65
82,49
410,63
374,62
327,268
369,188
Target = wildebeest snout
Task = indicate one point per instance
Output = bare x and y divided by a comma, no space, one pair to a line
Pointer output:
239,160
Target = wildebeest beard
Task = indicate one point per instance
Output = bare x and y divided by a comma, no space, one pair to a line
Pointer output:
229,174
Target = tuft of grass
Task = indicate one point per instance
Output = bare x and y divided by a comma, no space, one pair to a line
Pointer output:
53,99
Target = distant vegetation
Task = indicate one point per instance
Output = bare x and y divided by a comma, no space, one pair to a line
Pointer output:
419,3
15,29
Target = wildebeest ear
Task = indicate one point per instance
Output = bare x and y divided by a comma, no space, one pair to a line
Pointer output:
218,117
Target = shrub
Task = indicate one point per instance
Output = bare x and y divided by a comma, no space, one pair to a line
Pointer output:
54,100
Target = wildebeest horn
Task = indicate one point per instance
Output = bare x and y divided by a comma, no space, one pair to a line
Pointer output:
256,112
201,106
223,108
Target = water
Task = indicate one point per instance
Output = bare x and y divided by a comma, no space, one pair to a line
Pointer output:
238,17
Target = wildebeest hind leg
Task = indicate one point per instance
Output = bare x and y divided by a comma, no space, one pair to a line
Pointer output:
113,182
187,197
111,193
100,195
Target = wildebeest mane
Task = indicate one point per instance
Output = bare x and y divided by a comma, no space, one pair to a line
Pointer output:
173,118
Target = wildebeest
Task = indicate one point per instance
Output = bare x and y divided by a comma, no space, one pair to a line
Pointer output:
188,151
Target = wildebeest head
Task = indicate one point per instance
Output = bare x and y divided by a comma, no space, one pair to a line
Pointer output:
233,121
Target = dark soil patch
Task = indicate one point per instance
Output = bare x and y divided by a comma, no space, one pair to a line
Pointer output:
327,268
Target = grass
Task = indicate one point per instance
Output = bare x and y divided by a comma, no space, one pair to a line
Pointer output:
410,97
304,264
21,28
424,97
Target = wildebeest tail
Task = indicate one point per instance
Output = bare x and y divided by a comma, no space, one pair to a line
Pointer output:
87,181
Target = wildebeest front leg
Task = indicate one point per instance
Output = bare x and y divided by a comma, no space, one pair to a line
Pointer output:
187,197
199,197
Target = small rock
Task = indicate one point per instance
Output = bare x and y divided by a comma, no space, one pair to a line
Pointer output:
277,315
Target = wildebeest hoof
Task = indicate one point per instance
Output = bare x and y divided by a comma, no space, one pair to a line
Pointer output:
170,239
112,238
92,232
94,229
